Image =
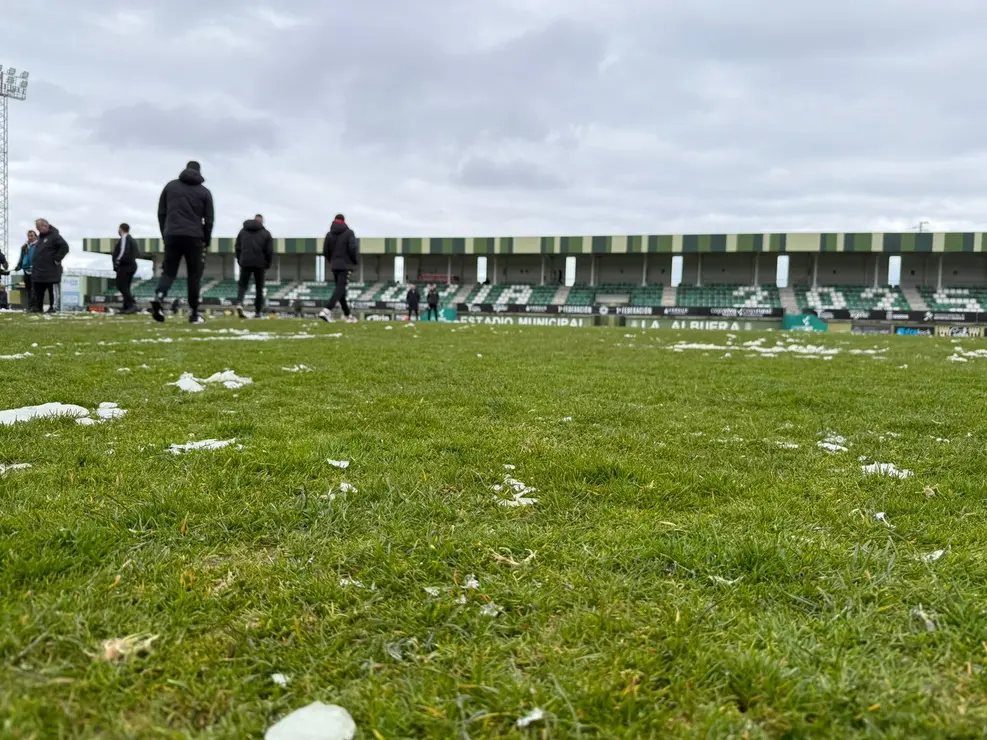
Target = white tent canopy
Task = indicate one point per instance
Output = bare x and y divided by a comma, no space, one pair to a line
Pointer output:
93,264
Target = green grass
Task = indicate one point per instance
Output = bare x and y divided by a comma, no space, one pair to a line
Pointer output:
682,585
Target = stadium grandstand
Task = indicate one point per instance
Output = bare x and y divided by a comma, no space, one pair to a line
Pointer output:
834,275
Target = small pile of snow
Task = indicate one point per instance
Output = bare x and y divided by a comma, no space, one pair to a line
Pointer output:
44,411
229,379
535,715
932,556
520,493
882,517
887,470
317,721
4,469
490,610
280,679
341,464
206,444
787,445
471,583
831,448
957,358
21,356
297,369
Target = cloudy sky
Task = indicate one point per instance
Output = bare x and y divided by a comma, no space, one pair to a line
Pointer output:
443,117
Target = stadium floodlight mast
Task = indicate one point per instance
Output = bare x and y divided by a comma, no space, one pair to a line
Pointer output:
13,86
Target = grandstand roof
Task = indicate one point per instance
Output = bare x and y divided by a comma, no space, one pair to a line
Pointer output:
886,242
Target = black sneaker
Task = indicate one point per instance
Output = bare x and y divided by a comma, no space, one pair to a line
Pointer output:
157,310
196,318
258,315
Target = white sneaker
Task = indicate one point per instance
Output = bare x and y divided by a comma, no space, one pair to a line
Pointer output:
239,311
326,315
351,319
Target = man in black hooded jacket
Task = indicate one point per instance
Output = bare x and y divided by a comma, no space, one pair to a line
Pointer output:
125,266
185,215
342,254
254,254
46,265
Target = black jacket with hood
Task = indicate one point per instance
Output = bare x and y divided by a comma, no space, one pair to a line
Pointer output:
433,298
50,250
414,297
254,245
185,207
125,263
340,248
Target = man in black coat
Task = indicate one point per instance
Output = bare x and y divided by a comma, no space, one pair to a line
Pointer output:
342,254
413,298
46,264
125,266
433,304
185,215
254,254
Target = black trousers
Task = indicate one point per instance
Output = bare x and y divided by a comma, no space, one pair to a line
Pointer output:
432,311
257,273
342,278
124,281
190,249
28,301
38,295
412,310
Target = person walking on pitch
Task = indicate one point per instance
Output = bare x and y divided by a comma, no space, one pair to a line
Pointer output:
254,254
342,254
185,216
125,266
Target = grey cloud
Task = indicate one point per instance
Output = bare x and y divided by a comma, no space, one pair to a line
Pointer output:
484,173
184,129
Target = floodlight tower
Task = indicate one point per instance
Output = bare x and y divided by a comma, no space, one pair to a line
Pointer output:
13,86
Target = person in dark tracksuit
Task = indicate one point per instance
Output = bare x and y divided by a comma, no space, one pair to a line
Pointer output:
254,254
185,215
24,265
125,266
342,254
4,300
413,298
46,264
433,304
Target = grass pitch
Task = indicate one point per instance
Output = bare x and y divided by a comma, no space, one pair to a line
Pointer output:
686,571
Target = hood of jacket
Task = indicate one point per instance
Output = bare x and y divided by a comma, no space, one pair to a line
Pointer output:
252,224
191,177
338,227
52,231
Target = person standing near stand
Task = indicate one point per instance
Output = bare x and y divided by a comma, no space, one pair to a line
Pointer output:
125,266
414,299
24,265
185,215
433,304
46,264
254,255
342,254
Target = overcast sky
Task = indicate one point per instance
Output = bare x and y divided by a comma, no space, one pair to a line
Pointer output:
443,117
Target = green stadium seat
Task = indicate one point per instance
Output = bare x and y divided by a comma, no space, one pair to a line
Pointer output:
850,298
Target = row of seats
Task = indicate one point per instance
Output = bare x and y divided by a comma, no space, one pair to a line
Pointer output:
850,298
837,297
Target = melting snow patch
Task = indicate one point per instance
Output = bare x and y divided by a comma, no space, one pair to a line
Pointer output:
44,411
520,493
882,517
433,590
341,464
297,369
471,584
280,679
229,379
957,358
21,356
123,369
317,721
932,556
535,715
831,448
4,469
206,444
887,470
787,445
350,583
490,610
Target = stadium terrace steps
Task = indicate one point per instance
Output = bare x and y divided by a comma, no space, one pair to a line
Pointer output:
668,296
914,298
561,296
788,302
850,298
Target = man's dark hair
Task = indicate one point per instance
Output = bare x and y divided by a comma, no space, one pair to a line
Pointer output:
193,165
258,215
340,217
125,228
